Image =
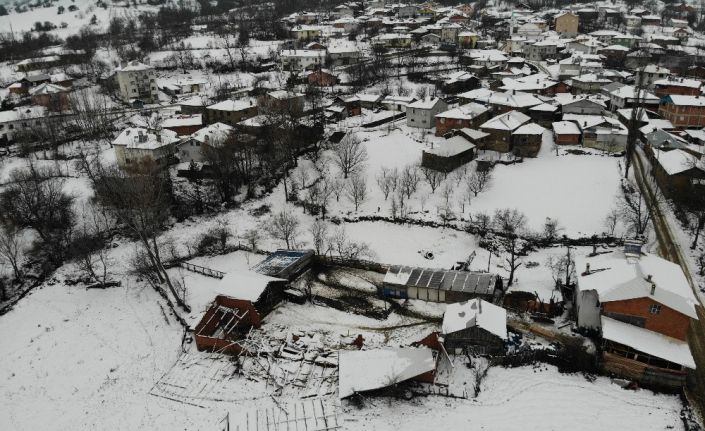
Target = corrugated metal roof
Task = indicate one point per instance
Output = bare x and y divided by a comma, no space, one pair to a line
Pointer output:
457,281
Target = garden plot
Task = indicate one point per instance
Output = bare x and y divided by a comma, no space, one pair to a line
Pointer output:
576,190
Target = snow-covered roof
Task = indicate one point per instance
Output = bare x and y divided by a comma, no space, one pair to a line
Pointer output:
451,146
656,124
475,312
183,121
245,285
47,88
473,134
682,100
214,133
675,161
303,53
545,107
514,99
529,129
366,370
151,139
284,94
629,92
538,81
508,121
679,82
464,112
427,103
233,105
616,277
134,66
565,128
480,94
649,342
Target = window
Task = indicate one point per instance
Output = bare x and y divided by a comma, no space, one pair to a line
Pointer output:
655,308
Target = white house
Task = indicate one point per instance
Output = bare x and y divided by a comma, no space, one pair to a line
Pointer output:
302,59
136,145
422,113
191,150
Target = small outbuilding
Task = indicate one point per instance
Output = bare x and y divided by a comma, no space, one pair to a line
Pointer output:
449,154
474,326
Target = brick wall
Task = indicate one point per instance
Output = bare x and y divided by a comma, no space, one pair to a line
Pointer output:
683,116
668,321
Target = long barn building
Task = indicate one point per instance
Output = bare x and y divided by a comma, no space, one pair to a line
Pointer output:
438,285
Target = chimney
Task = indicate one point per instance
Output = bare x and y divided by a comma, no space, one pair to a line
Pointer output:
653,287
479,306
587,268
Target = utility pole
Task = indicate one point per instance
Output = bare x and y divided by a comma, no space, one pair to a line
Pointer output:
635,117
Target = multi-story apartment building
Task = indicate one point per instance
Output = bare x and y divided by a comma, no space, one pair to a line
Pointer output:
137,81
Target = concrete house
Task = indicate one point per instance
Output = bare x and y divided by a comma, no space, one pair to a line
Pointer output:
191,149
302,59
137,81
567,24
136,145
231,111
422,113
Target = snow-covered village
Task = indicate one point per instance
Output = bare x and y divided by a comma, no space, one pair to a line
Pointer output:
321,215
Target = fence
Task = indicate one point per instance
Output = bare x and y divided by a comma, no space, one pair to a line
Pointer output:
202,270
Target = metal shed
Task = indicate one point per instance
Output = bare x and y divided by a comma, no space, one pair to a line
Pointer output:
438,285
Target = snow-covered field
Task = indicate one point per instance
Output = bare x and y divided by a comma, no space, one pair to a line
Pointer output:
20,22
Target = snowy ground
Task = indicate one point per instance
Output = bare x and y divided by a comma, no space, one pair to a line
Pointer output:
526,399
102,378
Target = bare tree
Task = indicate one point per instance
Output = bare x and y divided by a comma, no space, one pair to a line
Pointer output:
387,180
478,181
284,226
35,198
509,224
634,211
433,177
409,180
356,190
551,229
319,235
139,200
350,154
562,267
611,220
252,238
92,257
349,249
11,247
